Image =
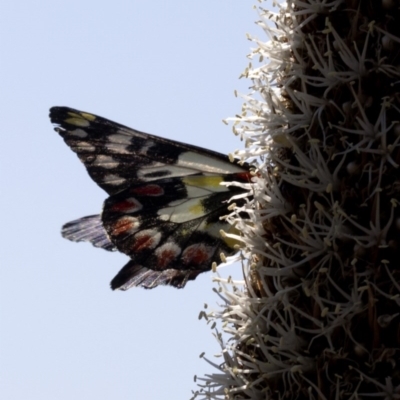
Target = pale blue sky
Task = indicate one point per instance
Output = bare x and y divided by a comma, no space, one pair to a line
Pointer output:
163,67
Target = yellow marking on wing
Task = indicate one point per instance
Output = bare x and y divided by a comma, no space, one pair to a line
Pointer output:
88,116
77,122
203,181
197,209
183,211
184,232
81,119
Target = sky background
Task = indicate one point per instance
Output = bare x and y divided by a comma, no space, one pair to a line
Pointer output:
167,68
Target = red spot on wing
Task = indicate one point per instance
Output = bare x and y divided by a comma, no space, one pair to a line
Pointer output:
146,240
197,254
166,254
148,190
165,258
142,243
127,206
125,225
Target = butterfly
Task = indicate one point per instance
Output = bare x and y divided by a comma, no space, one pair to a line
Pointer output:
165,200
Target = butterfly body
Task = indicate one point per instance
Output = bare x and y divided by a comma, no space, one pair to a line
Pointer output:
166,200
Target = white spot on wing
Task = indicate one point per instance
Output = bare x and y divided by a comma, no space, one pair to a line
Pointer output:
105,162
206,163
185,211
146,239
151,167
145,148
83,146
163,215
78,133
118,143
168,171
111,179
167,253
125,225
169,246
120,139
118,148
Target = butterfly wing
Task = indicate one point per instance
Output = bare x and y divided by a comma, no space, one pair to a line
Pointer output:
88,229
91,229
172,224
132,275
117,157
165,200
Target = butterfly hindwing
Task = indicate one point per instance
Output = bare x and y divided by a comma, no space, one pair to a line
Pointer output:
172,224
132,275
88,229
166,200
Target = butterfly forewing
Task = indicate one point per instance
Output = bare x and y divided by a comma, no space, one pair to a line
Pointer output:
166,200
117,157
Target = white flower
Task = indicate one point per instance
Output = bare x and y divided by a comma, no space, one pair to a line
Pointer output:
317,314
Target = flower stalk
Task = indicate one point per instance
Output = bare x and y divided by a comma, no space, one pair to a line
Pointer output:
318,313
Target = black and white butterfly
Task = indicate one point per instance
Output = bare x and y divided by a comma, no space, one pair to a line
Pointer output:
165,200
